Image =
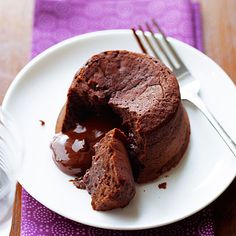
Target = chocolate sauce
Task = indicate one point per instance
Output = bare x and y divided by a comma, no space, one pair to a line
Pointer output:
73,150
139,41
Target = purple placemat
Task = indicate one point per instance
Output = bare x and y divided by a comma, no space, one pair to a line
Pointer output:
56,20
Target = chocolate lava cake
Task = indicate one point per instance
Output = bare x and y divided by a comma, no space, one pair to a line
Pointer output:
145,94
110,180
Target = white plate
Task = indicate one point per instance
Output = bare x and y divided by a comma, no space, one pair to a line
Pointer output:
39,91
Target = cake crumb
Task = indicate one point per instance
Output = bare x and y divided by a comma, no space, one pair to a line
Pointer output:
42,122
78,182
162,185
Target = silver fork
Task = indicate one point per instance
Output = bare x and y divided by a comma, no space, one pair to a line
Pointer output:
189,86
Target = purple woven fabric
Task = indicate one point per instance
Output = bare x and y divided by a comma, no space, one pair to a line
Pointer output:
56,20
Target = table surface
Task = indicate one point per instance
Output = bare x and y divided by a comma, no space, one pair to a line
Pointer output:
219,27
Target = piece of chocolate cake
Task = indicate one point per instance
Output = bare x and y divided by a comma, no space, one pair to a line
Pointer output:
110,180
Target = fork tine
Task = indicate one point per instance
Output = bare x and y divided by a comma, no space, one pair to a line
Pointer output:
148,41
159,45
177,58
139,41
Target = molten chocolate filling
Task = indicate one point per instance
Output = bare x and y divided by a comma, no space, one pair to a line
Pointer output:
73,150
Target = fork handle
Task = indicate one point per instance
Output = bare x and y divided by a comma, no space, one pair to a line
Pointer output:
197,101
